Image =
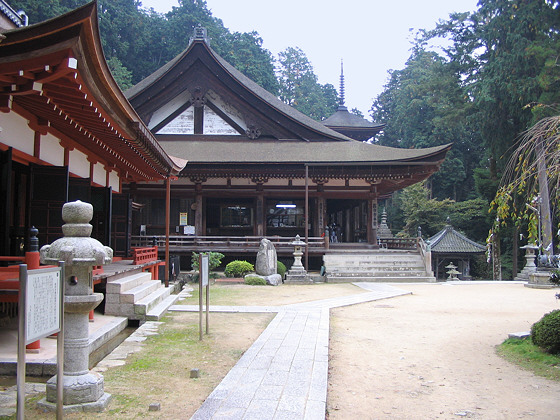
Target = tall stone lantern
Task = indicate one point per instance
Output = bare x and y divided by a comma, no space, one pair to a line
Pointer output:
83,390
297,272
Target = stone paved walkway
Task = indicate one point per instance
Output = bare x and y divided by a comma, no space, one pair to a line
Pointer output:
284,374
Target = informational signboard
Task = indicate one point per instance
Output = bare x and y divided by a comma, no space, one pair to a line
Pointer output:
183,218
204,270
42,303
203,283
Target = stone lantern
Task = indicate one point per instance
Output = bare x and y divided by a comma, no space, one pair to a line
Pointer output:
83,390
297,273
452,271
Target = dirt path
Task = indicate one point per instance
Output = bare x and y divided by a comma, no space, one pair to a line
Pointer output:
431,355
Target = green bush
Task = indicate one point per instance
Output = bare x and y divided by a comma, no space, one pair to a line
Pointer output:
545,333
255,281
281,268
214,260
238,268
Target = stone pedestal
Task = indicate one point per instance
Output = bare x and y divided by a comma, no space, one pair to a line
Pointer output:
540,280
83,390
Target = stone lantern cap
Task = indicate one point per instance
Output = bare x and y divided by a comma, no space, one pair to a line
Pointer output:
530,246
298,241
77,247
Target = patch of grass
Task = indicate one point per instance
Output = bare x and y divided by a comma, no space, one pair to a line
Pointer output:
526,355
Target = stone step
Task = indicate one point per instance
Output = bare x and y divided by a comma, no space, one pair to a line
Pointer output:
140,292
126,283
384,267
145,305
370,257
158,311
414,279
375,273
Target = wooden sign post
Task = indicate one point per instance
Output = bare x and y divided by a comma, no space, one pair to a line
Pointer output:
203,267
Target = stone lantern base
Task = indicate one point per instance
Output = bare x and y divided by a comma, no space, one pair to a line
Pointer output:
297,275
79,392
540,280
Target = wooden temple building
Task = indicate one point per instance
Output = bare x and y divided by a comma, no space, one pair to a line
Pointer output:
67,132
256,166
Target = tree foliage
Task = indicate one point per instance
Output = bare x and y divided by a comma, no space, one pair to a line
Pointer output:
299,86
136,42
424,105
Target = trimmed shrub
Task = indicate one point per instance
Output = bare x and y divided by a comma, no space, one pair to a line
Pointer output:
238,268
281,268
214,260
545,333
255,281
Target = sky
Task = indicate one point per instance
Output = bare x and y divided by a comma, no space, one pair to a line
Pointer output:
371,37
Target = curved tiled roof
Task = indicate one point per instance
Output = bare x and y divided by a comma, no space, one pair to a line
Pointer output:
255,151
449,241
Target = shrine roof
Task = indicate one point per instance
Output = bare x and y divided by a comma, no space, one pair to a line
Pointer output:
269,103
255,151
55,75
449,241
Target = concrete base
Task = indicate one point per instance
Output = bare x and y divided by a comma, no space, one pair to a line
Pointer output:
93,407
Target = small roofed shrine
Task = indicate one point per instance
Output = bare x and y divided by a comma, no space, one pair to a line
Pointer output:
68,133
451,247
258,167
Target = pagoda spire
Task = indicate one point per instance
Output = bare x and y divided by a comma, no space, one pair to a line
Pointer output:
341,105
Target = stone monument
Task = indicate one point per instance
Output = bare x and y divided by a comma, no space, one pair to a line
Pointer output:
267,263
83,390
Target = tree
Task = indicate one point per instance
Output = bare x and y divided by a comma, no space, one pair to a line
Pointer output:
535,163
424,105
299,86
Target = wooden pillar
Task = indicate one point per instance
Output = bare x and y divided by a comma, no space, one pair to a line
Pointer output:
167,221
320,216
306,217
348,225
198,226
372,221
260,223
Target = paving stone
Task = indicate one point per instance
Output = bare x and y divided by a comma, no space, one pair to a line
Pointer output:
284,374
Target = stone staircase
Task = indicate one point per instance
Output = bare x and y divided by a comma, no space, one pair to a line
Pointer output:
381,265
138,297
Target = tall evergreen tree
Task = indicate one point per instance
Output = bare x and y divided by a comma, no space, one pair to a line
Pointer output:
300,88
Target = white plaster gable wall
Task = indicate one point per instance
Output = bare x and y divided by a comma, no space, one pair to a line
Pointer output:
79,165
214,124
227,109
181,124
184,122
168,109
16,133
51,150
